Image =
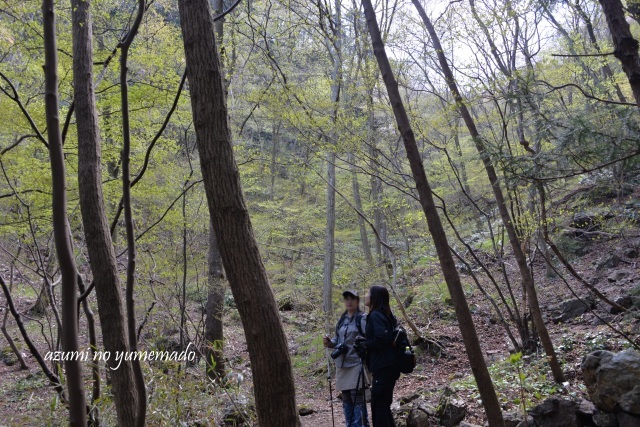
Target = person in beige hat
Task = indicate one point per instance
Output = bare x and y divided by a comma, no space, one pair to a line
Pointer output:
351,378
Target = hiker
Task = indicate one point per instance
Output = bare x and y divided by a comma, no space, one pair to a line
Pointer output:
351,377
381,355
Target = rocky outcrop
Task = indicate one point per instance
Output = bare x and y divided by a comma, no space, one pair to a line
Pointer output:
571,308
613,384
612,379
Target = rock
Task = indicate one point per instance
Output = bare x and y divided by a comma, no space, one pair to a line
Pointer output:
512,419
609,376
407,399
605,419
235,417
450,411
303,411
611,261
417,418
466,424
586,408
285,303
618,275
627,420
528,423
572,308
583,220
555,412
630,401
624,302
631,253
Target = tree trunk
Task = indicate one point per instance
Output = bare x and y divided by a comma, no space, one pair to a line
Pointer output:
465,321
214,332
61,232
141,401
270,363
94,220
329,241
275,145
624,44
214,328
525,272
358,203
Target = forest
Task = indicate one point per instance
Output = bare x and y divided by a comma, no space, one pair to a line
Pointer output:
192,192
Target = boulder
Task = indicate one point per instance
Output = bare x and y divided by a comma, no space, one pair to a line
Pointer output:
610,376
512,419
627,420
572,308
555,412
624,302
408,399
618,275
605,419
450,411
417,418
630,401
584,220
611,261
304,411
631,253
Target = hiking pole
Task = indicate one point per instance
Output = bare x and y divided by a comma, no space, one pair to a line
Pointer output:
333,418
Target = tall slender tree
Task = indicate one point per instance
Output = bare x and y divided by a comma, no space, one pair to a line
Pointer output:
61,232
452,278
274,387
141,390
94,219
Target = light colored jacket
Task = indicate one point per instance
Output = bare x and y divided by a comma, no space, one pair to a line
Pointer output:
347,333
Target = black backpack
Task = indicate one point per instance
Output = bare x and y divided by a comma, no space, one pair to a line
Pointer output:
406,356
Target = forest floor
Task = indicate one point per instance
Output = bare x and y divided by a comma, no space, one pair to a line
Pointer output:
25,398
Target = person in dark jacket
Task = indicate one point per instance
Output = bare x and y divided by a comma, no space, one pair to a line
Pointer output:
381,355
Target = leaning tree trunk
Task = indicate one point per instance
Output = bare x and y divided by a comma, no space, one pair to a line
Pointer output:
625,46
521,259
94,219
61,232
270,363
465,321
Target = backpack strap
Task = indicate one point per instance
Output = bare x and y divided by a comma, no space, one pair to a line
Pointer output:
359,316
358,321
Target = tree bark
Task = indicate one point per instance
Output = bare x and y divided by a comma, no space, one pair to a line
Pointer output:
94,220
465,321
214,332
61,232
521,259
214,310
624,44
270,363
141,401
329,241
366,248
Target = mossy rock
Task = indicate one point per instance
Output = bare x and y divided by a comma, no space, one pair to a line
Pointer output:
285,302
7,356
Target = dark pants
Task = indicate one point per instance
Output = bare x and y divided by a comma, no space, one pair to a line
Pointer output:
384,380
